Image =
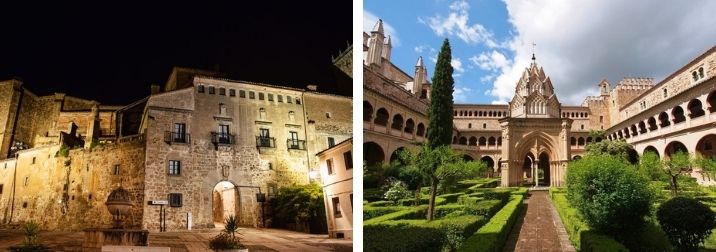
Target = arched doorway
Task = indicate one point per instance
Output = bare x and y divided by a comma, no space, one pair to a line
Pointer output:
367,111
489,162
705,146
651,149
467,158
527,165
632,156
225,202
544,170
372,153
674,147
395,157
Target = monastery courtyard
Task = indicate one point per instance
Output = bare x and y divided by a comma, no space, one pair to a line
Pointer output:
197,240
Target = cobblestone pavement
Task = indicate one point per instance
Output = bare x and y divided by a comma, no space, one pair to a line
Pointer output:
538,227
197,240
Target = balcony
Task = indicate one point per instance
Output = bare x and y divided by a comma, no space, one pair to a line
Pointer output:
222,138
265,142
295,144
176,137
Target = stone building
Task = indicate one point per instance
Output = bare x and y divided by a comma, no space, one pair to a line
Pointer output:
337,178
535,135
209,146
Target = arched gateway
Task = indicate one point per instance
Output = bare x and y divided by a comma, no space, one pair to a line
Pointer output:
535,137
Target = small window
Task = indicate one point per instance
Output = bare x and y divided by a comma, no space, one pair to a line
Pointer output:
280,98
1,188
288,99
298,101
329,166
484,125
232,92
242,93
348,158
336,207
469,125
262,114
701,72
90,196
582,126
222,109
222,91
601,119
33,160
174,167
27,181
24,204
270,97
252,95
666,92
212,90
328,114
331,142
175,200
261,96
200,89
116,170
291,116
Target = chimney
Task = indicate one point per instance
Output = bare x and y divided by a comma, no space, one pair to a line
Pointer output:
313,87
156,89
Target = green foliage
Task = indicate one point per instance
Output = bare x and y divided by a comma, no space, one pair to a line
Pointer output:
64,151
231,225
679,162
419,235
687,222
31,229
613,148
298,203
708,165
370,212
493,235
372,194
374,176
611,196
440,113
227,238
397,191
651,166
579,232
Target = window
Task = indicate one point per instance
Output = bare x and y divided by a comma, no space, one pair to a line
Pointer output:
270,97
211,90
291,116
329,166
293,140
264,138
174,167
348,158
1,188
24,204
200,89
582,126
264,133
261,96
288,99
351,201
222,91
601,119
328,114
262,114
666,92
252,95
116,170
331,142
701,72
232,92
469,125
280,98
222,109
336,207
34,159
242,93
175,200
224,134
27,180
179,132
484,125
298,101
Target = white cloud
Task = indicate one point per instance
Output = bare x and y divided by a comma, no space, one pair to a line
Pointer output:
369,20
579,43
457,65
492,61
457,24
460,94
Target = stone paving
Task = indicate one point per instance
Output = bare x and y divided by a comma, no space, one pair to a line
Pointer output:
197,240
538,227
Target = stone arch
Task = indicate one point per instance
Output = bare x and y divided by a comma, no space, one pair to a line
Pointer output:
482,141
652,124
673,147
225,201
651,149
705,146
395,156
580,141
421,129
576,157
695,108
664,119
491,141
598,139
711,100
642,127
397,122
489,162
589,140
463,141
409,126
472,141
544,165
466,157
632,156
573,141
454,139
678,114
381,117
372,153
633,131
367,111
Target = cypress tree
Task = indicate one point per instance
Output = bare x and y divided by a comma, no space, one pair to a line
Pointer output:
440,113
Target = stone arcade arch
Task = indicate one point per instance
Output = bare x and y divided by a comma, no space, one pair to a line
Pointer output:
367,111
544,166
489,162
225,202
705,146
673,147
711,100
409,126
652,149
372,153
381,117
527,147
395,156
473,141
695,108
397,122
421,129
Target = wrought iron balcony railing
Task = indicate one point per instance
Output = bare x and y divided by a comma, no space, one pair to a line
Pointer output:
295,144
265,142
222,138
176,137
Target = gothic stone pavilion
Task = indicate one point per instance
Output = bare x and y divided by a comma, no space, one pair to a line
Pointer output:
534,132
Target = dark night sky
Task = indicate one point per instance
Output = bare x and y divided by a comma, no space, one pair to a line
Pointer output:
112,53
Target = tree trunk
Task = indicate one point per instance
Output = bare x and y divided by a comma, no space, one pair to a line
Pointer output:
433,193
674,186
417,196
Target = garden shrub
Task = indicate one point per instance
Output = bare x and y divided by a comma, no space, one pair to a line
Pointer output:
445,210
610,194
372,194
381,203
372,212
687,222
493,235
451,198
581,236
410,213
419,235
424,200
485,208
397,191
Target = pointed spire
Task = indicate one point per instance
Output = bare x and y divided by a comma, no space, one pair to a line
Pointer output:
420,62
387,42
378,26
534,59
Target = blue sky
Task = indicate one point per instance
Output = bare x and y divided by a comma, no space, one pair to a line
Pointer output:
579,43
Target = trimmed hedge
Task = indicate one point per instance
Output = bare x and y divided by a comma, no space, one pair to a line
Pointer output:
423,201
419,235
372,194
370,212
382,203
410,213
450,198
493,235
581,236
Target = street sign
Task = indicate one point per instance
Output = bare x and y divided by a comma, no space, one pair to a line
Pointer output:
159,202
